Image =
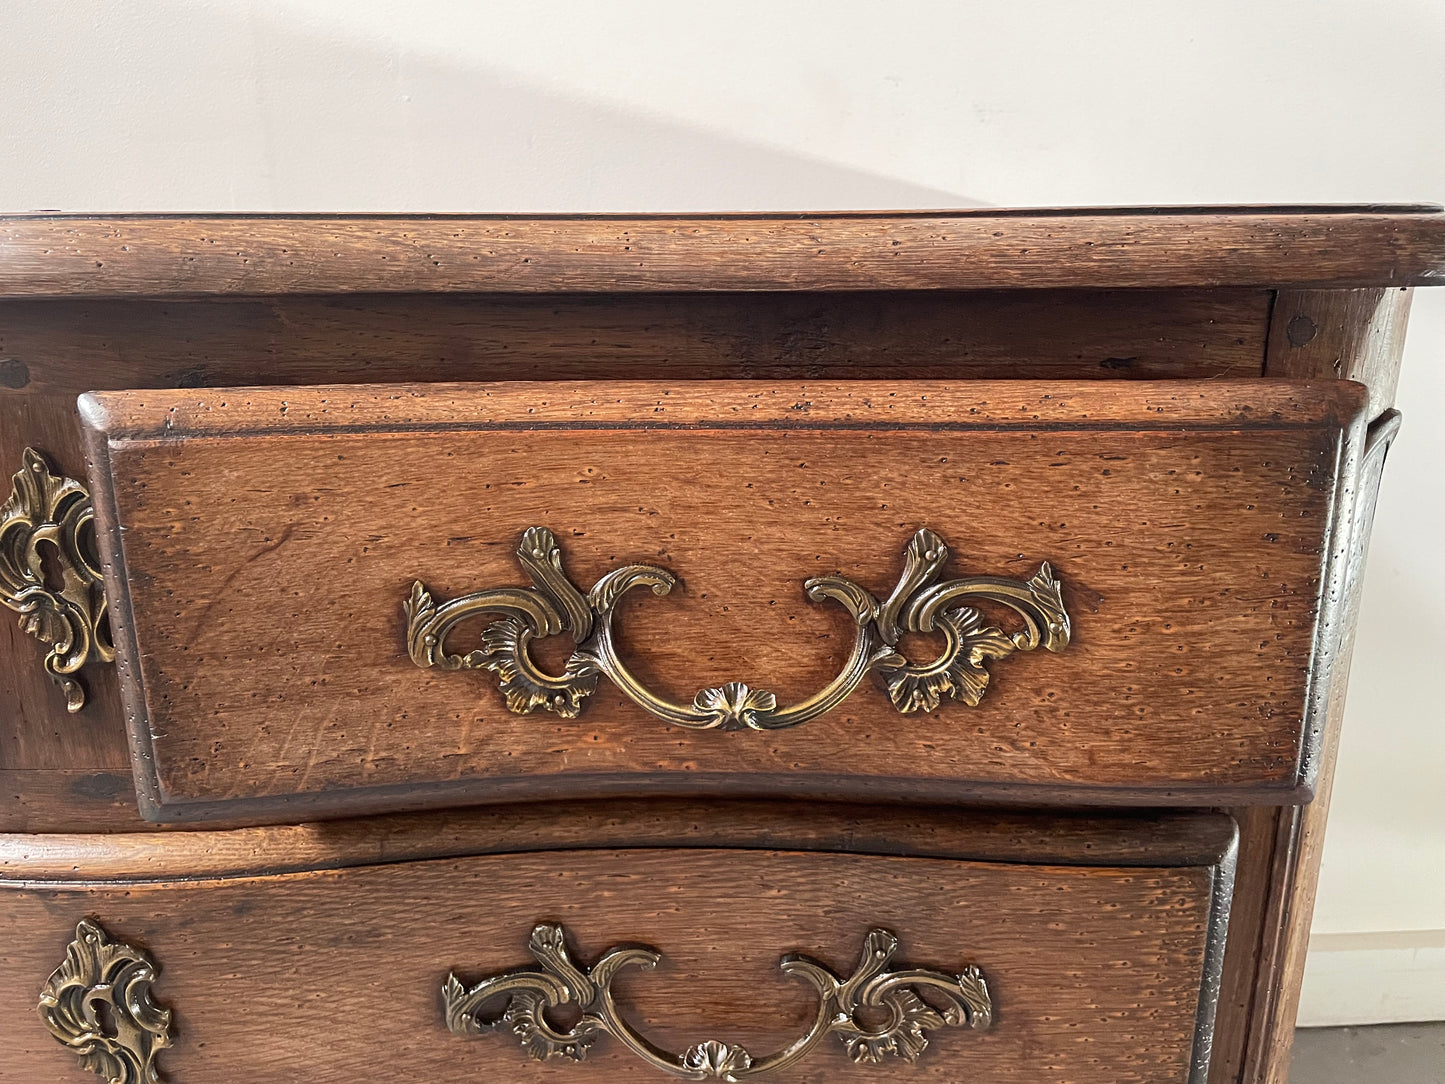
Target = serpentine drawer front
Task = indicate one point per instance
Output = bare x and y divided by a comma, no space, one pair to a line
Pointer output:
1078,950
359,598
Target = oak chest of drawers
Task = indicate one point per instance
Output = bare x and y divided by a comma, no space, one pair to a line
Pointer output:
807,648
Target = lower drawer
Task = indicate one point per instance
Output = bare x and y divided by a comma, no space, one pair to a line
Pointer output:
1023,959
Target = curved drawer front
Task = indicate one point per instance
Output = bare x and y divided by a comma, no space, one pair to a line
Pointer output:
626,964
369,598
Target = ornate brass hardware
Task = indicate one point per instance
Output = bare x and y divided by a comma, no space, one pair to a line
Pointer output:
907,1003
66,607
917,604
98,1003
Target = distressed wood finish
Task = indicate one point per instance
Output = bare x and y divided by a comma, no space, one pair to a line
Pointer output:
58,771
65,347
73,800
927,406
66,255
126,302
1358,335
1154,838
1349,334
267,539
339,971
1303,827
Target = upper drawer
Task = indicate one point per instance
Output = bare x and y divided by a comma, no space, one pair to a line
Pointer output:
297,575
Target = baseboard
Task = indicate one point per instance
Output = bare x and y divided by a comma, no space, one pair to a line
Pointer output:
1391,977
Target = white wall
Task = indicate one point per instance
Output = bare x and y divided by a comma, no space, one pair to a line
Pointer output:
629,105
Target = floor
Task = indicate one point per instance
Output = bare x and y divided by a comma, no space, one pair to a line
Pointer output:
1388,1054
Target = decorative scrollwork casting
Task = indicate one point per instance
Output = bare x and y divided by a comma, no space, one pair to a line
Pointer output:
902,1006
919,603
98,1004
66,608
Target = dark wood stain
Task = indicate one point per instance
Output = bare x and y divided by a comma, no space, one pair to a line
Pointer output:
1099,926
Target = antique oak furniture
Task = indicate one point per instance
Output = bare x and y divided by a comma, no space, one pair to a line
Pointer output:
805,647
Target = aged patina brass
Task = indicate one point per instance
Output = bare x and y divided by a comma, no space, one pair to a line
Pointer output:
917,604
98,1004
904,1005
65,609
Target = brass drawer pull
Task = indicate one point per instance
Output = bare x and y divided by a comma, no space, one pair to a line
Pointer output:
912,1000
917,604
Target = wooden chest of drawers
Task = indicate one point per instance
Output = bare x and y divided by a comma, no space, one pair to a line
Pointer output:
788,647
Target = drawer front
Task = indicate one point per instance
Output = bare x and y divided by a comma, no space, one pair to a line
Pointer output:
968,970
317,592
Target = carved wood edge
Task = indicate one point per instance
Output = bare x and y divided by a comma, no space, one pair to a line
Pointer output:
1150,839
553,604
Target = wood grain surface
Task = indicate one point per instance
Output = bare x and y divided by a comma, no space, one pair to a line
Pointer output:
1357,335
1348,334
67,326
934,406
69,800
269,537
1153,838
1302,828
70,346
336,975
1362,337
76,255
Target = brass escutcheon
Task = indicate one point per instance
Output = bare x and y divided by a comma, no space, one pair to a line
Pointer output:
98,1005
65,610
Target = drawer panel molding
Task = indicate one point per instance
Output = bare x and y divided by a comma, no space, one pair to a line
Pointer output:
98,1004
906,1002
260,545
50,571
918,604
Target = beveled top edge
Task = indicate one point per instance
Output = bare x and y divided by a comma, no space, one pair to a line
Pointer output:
801,214
1100,248
1063,211
158,415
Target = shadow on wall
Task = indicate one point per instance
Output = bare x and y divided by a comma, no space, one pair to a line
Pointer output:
189,107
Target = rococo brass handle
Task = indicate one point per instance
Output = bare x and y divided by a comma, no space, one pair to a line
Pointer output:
917,604
906,1004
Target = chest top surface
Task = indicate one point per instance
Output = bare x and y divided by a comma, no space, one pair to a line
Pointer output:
70,255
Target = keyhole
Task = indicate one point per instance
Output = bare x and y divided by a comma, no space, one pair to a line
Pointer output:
52,567
105,1017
